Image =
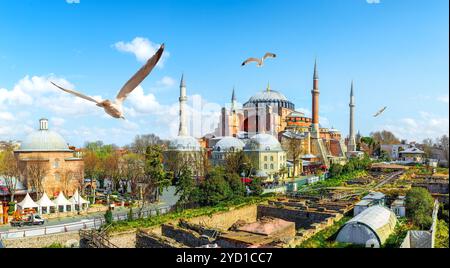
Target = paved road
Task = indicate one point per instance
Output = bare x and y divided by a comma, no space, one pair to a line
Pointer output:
168,199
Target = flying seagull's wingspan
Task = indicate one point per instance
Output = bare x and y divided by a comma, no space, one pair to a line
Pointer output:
269,55
76,93
380,112
139,76
251,60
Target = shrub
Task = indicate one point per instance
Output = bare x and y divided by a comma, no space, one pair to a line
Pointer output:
419,207
11,206
441,234
108,216
130,214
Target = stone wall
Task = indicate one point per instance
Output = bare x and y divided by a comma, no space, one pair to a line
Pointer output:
151,240
224,220
42,241
302,219
184,236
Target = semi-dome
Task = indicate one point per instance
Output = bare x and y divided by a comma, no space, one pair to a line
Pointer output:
269,97
229,144
44,140
184,143
263,142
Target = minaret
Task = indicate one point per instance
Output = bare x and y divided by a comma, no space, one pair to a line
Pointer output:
233,102
182,131
315,102
351,138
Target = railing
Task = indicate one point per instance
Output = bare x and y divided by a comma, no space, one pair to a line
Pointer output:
94,223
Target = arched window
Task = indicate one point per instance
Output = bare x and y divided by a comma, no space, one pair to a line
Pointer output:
265,166
271,166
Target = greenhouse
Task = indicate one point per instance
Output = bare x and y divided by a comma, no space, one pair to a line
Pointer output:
370,228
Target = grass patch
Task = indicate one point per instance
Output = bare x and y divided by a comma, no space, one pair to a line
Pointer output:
326,237
317,188
184,214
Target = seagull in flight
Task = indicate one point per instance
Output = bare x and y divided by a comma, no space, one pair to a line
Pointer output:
114,108
260,62
380,112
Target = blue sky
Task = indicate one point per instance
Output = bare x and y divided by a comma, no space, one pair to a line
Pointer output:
395,50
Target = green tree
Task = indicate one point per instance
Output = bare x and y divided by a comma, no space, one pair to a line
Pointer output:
336,170
156,178
185,186
214,189
236,185
419,207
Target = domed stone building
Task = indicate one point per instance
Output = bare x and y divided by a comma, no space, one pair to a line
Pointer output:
225,146
47,164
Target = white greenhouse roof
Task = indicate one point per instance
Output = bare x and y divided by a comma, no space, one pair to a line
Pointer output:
380,219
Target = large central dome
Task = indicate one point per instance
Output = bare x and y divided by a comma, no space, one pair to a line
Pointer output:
269,97
44,140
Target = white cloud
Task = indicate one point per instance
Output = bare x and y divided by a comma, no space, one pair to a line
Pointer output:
166,81
6,116
443,99
57,121
426,125
72,1
142,48
373,1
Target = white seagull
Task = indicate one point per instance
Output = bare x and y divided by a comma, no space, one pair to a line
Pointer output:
260,62
380,112
114,108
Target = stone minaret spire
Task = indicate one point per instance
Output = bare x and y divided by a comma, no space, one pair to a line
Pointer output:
351,138
182,131
315,101
233,101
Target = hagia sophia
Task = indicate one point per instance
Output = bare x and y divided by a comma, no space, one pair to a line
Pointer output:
262,129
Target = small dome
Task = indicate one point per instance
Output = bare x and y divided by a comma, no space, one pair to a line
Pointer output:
229,144
184,143
44,140
263,142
